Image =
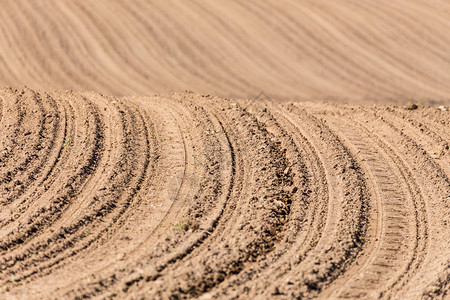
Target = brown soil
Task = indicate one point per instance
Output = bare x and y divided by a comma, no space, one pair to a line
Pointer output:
377,51
332,181
196,196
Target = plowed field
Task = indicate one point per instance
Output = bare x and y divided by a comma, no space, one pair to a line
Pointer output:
377,51
198,196
117,182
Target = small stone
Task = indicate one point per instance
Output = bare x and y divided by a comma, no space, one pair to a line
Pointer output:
276,291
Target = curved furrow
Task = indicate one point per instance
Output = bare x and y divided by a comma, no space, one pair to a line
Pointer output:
181,42
75,148
50,170
435,144
82,156
266,213
373,60
434,185
26,141
34,33
317,50
57,131
123,244
140,249
337,46
162,54
143,47
187,196
214,63
436,120
402,233
200,212
47,210
10,124
16,32
60,63
404,23
407,73
100,34
96,66
6,70
235,38
120,43
340,241
306,220
39,143
89,220
70,53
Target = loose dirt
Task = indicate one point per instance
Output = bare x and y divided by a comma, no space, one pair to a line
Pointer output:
196,196
331,181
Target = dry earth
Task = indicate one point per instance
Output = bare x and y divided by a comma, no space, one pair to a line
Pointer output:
196,196
110,196
380,50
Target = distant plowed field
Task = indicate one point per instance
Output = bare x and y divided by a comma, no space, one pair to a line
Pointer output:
198,196
358,50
